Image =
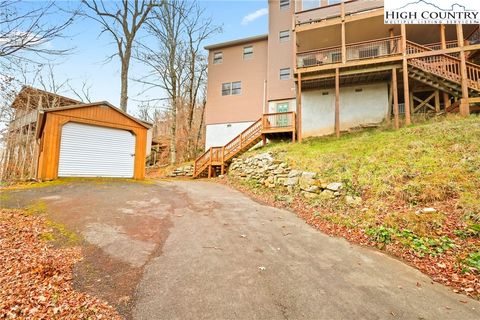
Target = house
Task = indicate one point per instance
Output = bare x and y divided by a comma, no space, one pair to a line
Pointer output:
53,136
18,159
326,66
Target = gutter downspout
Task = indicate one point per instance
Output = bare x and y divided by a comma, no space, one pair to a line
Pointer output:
264,96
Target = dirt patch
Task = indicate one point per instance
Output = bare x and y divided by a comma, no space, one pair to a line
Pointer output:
113,280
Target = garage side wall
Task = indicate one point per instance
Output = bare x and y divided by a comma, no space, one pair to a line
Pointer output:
96,115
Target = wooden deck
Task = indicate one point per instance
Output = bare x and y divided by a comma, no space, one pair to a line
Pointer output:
219,157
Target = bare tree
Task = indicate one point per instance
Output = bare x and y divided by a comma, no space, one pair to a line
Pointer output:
30,29
198,29
166,61
82,93
177,64
122,20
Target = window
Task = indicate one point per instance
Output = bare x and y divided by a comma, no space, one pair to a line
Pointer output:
247,53
284,4
285,74
217,57
232,88
236,88
330,2
310,4
284,35
227,89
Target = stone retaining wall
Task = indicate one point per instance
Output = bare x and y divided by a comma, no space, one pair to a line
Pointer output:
272,173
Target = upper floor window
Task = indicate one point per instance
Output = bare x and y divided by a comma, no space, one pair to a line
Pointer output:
330,2
310,4
232,88
285,74
284,35
284,4
247,52
217,57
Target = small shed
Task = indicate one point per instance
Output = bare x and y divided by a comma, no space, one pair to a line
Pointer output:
90,140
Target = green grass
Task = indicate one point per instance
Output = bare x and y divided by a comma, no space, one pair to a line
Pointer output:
432,164
416,166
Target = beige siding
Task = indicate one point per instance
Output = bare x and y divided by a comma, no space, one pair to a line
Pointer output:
280,54
248,106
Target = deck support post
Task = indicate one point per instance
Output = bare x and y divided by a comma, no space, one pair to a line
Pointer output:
395,99
299,108
222,169
406,89
464,104
264,140
337,102
443,41
344,45
437,101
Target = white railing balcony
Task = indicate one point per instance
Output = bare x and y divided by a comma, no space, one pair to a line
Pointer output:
24,119
334,11
356,51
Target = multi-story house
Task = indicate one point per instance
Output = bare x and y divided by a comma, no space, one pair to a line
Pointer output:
21,149
326,66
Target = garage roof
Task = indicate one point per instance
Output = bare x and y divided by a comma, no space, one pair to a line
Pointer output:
41,114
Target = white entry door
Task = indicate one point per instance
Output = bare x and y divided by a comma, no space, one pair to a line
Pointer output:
93,151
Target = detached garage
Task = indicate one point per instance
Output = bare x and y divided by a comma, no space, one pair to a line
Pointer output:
91,140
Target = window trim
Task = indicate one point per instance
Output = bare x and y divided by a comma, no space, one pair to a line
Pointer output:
284,38
289,73
248,55
214,58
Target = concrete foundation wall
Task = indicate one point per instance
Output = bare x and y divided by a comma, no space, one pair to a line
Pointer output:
218,135
363,104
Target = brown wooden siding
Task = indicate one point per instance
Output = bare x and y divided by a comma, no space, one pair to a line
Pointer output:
94,115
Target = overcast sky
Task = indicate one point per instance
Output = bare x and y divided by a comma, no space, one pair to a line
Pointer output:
238,19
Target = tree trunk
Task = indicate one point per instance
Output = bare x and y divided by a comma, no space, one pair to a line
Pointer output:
173,133
124,81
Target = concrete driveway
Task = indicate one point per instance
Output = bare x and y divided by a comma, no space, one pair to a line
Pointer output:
199,250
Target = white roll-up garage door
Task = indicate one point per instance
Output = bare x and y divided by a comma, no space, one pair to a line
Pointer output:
93,151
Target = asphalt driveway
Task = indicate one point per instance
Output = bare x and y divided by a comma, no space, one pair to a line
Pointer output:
199,250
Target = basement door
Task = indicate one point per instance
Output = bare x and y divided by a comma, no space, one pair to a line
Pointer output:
94,151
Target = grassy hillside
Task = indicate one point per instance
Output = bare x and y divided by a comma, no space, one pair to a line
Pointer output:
397,173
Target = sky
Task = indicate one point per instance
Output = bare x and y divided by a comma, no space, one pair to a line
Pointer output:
87,62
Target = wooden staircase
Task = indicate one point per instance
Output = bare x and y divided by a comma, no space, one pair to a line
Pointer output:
268,125
442,71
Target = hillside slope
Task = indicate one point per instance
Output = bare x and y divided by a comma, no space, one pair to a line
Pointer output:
399,174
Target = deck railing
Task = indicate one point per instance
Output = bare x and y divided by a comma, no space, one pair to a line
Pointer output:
474,37
268,123
355,51
438,45
242,140
334,11
444,66
23,119
278,121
